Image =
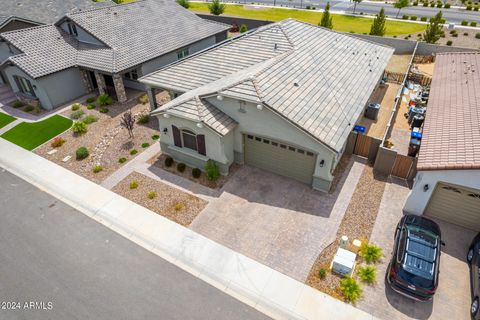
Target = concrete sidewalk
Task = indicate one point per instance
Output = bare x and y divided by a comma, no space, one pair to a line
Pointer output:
261,287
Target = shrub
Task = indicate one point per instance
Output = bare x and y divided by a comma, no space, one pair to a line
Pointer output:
155,137
243,28
455,35
178,206
415,3
212,171
133,152
81,153
322,273
425,4
370,252
447,6
143,99
196,173
469,8
449,42
442,34
477,35
439,5
91,106
90,119
79,127
181,167
17,104
104,110
464,23
368,274
443,20
216,7
413,18
423,19
144,118
350,289
104,100
122,160
134,184
476,9
184,3
97,169
75,106
432,4
168,162
405,17
90,100
453,31
29,108
465,34
473,24
57,142
145,145
151,195
77,114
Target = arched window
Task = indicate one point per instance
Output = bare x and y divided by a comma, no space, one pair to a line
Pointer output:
189,140
185,138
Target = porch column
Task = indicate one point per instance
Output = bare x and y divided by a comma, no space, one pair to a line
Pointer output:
86,81
152,98
119,88
102,87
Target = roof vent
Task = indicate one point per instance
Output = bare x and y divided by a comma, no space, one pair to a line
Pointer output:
275,47
295,83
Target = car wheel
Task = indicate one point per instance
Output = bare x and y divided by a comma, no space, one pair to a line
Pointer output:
470,255
474,307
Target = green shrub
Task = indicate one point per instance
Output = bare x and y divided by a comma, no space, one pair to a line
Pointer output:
476,8
134,184
368,274
29,108
184,3
443,20
453,31
104,100
104,110
473,24
439,5
442,34
405,17
144,118
145,145
178,206
196,173
477,35
447,6
465,34
79,127
90,119
168,161
151,195
322,273
77,114
370,252
432,4
133,152
464,23
81,153
243,28
17,104
350,289
211,170
423,19
90,100
155,137
122,160
413,18
449,42
57,142
425,4
455,35
91,106
143,99
415,3
75,106
181,167
469,8
97,169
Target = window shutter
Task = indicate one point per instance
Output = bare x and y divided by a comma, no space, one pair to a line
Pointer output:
201,144
17,81
177,140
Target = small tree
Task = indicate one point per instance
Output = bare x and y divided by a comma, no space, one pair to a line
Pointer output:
212,171
355,2
243,28
378,25
216,7
184,3
326,21
400,4
434,29
128,121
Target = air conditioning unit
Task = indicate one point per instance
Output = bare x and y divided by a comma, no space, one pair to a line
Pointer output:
372,111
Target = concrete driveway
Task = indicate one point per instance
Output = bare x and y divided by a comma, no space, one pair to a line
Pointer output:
452,300
277,221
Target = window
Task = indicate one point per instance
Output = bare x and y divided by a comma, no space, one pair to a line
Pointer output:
189,140
132,75
401,245
72,29
24,86
183,53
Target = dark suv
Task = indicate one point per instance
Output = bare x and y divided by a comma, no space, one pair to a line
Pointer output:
473,258
413,270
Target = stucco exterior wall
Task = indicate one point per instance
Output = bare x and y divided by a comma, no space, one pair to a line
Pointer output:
418,199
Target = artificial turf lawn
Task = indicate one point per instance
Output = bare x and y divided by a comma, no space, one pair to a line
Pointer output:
340,22
5,119
31,135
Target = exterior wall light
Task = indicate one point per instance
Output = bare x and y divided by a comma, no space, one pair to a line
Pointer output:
165,130
426,187
322,162
200,125
259,107
219,97
166,115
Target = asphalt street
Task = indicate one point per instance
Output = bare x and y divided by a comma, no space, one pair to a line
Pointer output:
56,263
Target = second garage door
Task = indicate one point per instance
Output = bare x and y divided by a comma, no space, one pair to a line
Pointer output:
279,158
457,205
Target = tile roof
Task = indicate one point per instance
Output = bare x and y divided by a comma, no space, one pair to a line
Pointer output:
451,132
132,33
318,79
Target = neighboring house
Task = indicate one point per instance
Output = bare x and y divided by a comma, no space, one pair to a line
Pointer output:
105,48
283,98
447,184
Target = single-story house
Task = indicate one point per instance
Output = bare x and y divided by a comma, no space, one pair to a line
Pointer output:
284,98
447,185
105,49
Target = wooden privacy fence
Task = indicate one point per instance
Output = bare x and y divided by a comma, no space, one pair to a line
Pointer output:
402,166
424,59
420,78
362,145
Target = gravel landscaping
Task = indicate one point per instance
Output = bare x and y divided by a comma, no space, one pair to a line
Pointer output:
357,223
167,201
106,140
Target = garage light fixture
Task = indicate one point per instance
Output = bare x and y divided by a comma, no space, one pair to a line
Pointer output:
259,107
322,162
166,115
219,97
165,130
200,125
426,187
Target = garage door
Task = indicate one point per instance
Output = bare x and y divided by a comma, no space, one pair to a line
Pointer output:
457,205
279,158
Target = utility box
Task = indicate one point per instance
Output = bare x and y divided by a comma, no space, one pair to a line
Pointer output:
344,262
372,111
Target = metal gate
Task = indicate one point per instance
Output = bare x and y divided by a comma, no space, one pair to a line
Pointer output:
402,166
362,145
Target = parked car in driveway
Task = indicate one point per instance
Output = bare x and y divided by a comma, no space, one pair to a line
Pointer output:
473,258
414,268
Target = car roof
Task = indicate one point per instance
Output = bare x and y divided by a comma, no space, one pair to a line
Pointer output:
420,252
422,222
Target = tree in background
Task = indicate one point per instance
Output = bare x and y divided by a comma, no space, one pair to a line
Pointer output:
400,4
355,2
434,29
326,21
216,7
378,25
184,3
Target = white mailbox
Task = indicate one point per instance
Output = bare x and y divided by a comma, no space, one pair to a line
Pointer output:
344,262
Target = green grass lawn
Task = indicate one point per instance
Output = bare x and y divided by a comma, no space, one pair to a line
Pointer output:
31,135
340,22
5,119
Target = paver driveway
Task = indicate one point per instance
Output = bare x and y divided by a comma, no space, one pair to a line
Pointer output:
275,220
452,299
